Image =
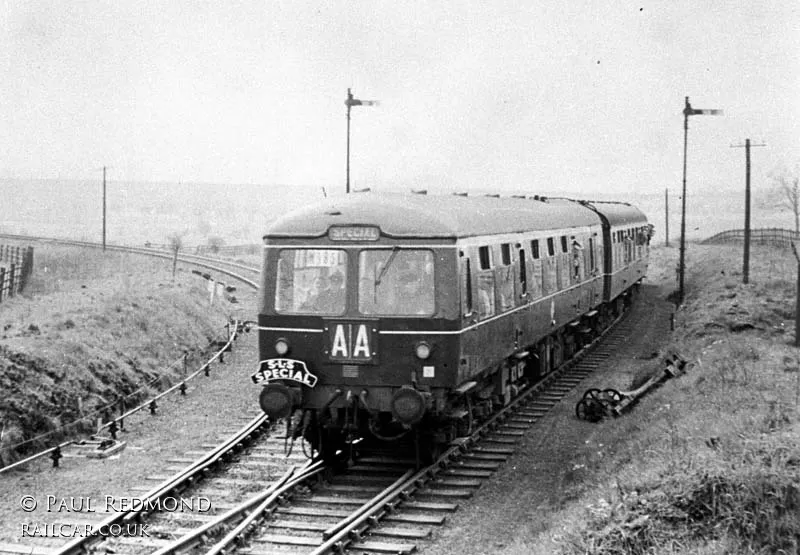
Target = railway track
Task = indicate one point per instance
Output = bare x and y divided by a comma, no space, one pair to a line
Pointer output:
263,503
226,267
380,504
383,503
259,502
198,490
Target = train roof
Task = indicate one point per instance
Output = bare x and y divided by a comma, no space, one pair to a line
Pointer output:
440,216
619,213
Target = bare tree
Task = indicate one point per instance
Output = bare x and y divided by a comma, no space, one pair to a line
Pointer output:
175,245
215,244
788,184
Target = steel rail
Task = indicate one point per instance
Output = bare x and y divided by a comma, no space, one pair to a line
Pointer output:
352,529
263,499
342,531
80,544
311,470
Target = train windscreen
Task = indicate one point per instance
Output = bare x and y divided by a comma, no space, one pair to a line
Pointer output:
311,281
396,282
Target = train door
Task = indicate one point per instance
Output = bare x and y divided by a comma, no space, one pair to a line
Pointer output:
535,275
593,295
467,306
485,288
505,278
522,295
550,268
577,259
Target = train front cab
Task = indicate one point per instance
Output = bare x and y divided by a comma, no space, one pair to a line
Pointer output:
375,353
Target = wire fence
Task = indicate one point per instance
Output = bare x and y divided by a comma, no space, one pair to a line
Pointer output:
774,236
104,415
211,250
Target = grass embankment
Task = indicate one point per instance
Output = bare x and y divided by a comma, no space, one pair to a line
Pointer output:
710,462
91,327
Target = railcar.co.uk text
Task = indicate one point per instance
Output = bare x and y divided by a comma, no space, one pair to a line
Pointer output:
37,530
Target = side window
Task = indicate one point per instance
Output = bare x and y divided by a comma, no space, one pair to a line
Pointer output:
485,255
523,274
505,254
591,254
535,249
563,243
486,306
551,247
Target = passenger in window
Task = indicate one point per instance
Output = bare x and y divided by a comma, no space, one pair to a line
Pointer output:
485,296
577,254
330,296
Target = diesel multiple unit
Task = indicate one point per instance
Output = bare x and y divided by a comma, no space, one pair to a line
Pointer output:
384,315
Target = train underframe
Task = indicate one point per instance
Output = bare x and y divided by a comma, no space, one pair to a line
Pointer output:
339,435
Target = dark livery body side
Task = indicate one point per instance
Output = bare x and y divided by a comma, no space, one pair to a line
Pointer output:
382,314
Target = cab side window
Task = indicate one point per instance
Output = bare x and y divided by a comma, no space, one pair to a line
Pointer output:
485,284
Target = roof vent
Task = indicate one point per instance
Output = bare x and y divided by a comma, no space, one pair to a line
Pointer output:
492,195
518,196
333,212
461,194
419,191
366,190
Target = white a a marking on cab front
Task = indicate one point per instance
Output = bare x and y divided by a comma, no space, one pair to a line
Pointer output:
351,341
362,343
339,348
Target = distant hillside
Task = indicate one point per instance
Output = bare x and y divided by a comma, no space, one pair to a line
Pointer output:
140,212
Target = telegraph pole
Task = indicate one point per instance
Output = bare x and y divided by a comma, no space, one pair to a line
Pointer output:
104,208
666,217
350,102
746,263
687,111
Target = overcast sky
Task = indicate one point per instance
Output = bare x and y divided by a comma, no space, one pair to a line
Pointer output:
517,96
